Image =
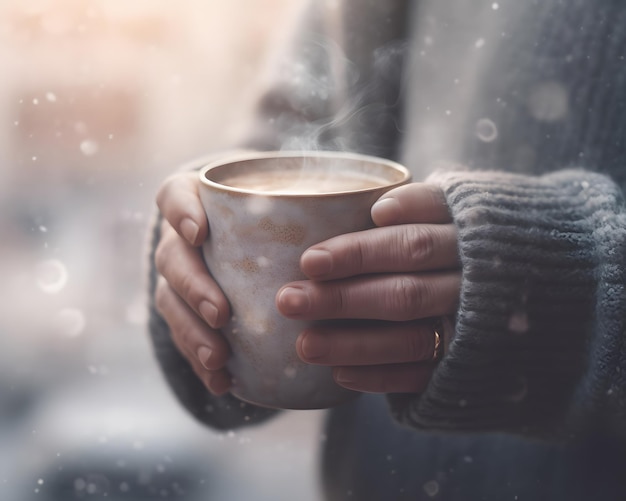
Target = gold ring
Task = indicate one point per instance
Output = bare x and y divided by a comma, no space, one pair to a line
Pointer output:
437,350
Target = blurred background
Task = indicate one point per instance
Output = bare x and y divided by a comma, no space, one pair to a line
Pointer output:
99,101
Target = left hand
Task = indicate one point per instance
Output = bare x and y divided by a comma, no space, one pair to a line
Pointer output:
398,276
187,297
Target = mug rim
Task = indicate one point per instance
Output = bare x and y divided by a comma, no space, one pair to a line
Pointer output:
262,155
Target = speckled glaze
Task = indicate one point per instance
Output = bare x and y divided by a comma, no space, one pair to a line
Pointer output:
256,240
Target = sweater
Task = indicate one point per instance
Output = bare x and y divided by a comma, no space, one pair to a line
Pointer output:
530,100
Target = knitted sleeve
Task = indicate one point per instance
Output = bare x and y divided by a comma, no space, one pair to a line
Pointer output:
539,345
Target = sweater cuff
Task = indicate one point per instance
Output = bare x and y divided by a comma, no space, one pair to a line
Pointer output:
522,355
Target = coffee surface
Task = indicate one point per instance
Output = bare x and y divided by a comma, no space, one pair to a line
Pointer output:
303,181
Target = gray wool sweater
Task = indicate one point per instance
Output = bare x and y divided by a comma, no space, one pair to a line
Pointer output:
531,101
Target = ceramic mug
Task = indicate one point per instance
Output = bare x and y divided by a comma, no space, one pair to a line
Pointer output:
264,210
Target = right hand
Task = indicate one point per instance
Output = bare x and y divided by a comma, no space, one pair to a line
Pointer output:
187,297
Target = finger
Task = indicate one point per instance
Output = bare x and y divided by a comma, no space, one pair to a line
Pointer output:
195,340
372,344
399,378
406,247
203,348
217,382
398,297
180,205
185,271
411,203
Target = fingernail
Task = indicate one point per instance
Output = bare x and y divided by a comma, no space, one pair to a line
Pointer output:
343,376
204,355
190,230
209,313
386,211
314,347
317,263
293,301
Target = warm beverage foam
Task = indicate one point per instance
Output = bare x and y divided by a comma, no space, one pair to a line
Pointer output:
303,182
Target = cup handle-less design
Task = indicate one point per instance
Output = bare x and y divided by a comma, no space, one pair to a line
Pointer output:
254,248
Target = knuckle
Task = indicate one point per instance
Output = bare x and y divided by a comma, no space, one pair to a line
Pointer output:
164,190
435,195
418,242
339,301
161,299
412,347
357,255
185,336
408,298
189,289
161,255
415,346
160,195
159,258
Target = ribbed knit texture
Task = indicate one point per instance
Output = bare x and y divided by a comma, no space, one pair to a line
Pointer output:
539,344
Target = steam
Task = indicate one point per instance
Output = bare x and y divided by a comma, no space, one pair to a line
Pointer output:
319,100
324,103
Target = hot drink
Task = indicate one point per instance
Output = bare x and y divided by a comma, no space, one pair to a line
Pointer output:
303,181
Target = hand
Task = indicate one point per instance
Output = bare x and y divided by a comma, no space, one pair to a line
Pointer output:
187,297
397,276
